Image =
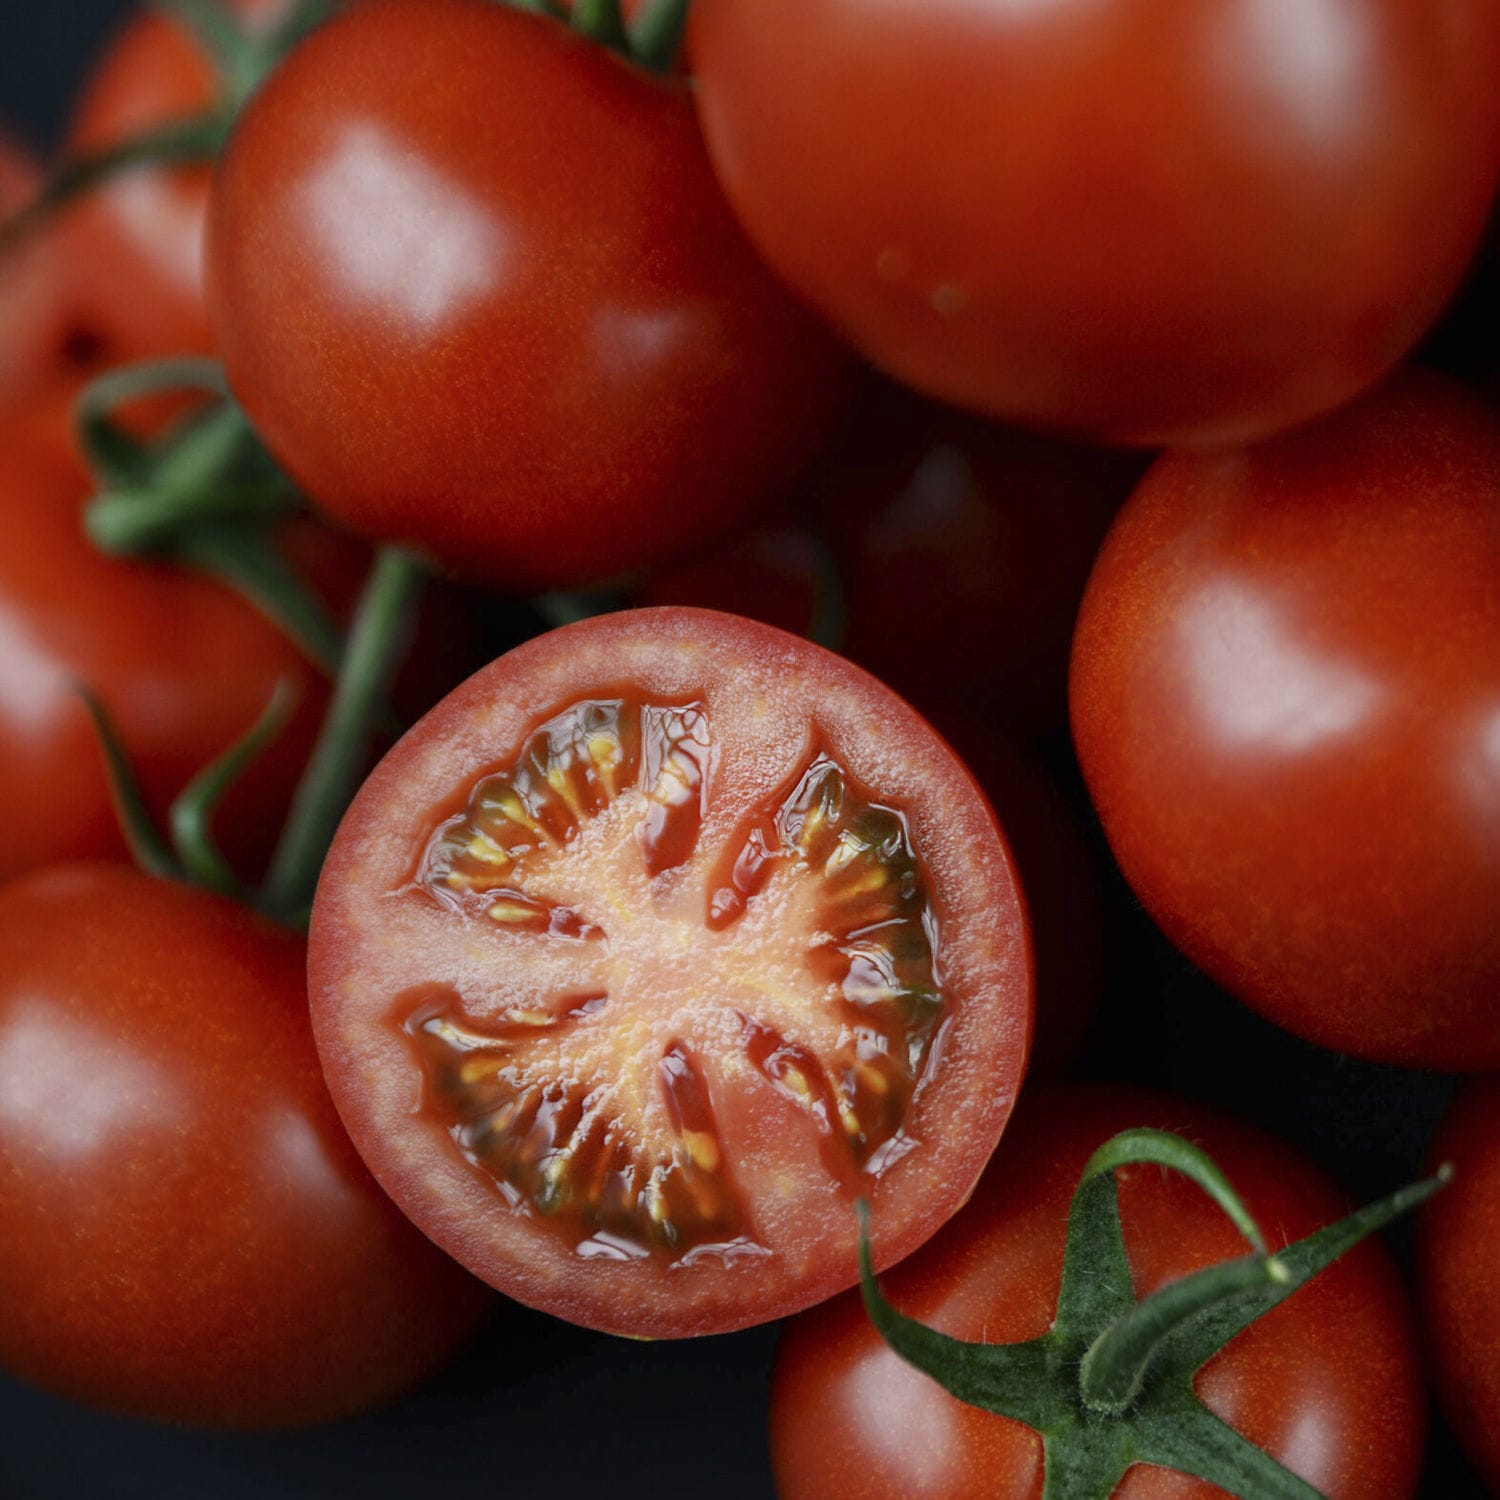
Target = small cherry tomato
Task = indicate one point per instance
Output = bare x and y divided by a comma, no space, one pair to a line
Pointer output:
653,948
189,1235
1458,1273
32,329
1329,1382
475,284
1286,702
1154,221
134,246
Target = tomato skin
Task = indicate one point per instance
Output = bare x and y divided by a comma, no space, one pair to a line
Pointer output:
32,333
189,1235
374,939
1150,221
1329,1382
133,248
182,666
587,370
1283,692
1458,1273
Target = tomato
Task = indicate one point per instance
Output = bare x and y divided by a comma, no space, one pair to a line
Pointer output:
1153,221
1328,1382
134,246
1285,687
31,326
475,285
964,548
189,1235
182,666
653,947
1458,1264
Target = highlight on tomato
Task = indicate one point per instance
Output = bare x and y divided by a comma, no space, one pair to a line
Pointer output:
1168,223
1284,693
476,286
1163,1345
190,1236
653,948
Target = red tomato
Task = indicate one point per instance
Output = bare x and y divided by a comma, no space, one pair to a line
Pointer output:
1154,221
1286,701
1458,1264
31,321
1328,1382
134,247
685,933
475,284
188,1234
964,549
183,666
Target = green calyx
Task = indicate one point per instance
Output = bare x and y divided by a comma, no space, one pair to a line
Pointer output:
1111,1385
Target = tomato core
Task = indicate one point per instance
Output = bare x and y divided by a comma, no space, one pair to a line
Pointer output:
563,1074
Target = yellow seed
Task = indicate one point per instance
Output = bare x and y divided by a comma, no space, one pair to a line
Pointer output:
483,848
531,1017
561,783
478,1068
510,806
850,1119
703,1148
512,913
796,1081
605,754
869,882
874,1081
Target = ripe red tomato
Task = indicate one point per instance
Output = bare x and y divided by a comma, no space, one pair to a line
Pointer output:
31,320
182,666
189,1235
1458,1264
134,247
1153,221
1286,702
475,284
685,933
1328,1382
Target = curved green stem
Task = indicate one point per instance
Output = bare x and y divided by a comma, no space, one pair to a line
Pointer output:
192,813
114,455
216,29
147,846
377,640
1114,1368
183,142
657,33
603,21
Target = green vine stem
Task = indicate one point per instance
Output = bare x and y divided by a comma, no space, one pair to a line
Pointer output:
657,33
377,641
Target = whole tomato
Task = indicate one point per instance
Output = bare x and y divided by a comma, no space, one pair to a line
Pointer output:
1458,1269
133,247
1285,686
189,1235
1328,1382
182,666
1153,221
475,284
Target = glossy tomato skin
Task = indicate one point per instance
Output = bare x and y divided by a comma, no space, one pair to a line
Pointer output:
1283,695
771,702
182,666
1150,221
133,248
1329,1382
475,284
1458,1266
189,1235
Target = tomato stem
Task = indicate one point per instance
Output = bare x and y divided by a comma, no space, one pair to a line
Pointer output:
657,33
148,847
217,31
377,642
603,21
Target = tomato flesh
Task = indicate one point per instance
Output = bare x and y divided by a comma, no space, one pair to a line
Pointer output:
688,967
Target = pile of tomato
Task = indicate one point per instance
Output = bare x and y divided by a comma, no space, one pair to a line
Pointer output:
624,628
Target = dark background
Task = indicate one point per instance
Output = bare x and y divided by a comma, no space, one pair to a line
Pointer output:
541,1409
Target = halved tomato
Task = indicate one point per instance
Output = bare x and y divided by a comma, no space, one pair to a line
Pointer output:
650,950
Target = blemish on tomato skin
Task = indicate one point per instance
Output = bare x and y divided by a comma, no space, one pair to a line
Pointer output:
948,299
893,263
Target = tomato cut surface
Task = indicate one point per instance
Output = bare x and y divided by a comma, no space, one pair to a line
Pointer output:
649,951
